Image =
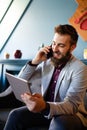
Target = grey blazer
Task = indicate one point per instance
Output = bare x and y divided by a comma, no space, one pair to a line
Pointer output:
70,88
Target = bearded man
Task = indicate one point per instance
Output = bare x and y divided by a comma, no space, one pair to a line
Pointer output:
62,79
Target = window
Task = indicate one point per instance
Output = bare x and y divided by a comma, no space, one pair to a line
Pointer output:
11,12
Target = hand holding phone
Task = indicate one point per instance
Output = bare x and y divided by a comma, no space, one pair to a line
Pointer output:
50,53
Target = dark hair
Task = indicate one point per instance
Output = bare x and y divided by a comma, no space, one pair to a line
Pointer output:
67,29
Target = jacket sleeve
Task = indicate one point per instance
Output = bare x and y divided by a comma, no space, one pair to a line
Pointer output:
27,71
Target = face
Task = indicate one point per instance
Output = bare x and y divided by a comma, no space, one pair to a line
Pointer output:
61,47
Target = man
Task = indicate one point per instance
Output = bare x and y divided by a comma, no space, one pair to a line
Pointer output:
63,83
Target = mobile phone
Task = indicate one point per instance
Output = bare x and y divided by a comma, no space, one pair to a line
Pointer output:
50,53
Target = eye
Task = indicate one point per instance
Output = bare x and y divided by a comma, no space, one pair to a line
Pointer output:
61,45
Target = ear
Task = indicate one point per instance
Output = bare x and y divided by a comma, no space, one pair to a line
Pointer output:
73,47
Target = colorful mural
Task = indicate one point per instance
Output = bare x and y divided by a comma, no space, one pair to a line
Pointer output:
79,19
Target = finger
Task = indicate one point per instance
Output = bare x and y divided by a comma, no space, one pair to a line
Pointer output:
37,95
27,97
45,49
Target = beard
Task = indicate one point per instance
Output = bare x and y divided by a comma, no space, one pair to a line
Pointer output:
56,62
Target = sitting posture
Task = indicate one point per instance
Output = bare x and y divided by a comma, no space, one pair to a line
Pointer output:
62,79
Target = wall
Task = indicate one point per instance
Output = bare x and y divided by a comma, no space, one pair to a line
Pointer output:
37,27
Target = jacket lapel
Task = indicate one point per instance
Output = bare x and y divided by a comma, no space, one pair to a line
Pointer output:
46,78
60,78
47,75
